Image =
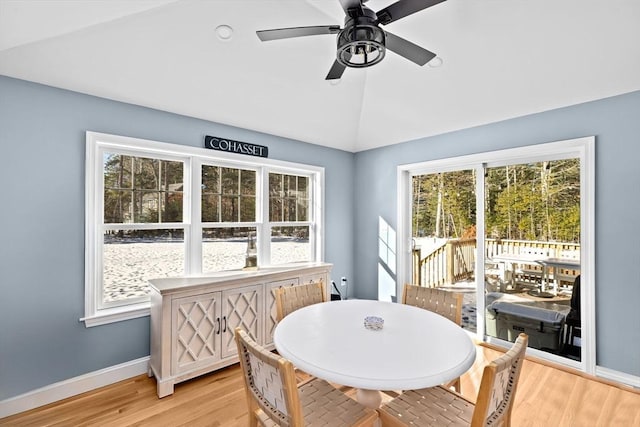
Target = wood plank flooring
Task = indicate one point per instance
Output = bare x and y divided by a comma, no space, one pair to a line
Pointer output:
546,397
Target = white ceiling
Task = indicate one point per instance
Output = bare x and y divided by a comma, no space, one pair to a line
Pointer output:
501,59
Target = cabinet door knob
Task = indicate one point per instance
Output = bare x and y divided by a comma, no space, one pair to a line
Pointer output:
218,321
224,320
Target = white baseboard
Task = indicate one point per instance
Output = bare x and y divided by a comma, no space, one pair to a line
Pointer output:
618,376
73,386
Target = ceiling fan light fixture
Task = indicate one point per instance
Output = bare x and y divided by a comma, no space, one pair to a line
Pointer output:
361,46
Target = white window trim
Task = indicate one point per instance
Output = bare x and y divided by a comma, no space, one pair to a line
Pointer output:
97,142
582,148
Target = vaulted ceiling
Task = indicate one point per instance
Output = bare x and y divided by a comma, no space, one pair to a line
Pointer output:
500,59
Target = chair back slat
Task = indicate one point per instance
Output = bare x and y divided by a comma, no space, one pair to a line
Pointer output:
498,387
270,382
266,385
292,298
447,304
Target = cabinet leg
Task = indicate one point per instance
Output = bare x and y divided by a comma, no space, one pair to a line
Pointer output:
164,389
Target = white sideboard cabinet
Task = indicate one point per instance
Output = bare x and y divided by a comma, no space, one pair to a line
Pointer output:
193,318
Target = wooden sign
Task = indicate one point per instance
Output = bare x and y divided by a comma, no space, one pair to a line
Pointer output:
231,146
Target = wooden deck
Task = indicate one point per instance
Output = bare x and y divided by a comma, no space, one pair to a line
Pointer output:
455,261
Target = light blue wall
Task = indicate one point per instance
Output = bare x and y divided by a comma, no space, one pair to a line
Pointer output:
42,139
616,124
42,218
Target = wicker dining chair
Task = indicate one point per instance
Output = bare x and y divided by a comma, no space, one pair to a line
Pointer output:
438,406
274,398
447,304
291,298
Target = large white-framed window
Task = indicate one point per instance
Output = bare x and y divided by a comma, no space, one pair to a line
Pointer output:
481,166
155,210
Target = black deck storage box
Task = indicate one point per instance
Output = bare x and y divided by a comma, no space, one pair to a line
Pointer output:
543,321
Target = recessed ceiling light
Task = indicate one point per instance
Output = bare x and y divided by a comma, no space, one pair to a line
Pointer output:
224,32
435,62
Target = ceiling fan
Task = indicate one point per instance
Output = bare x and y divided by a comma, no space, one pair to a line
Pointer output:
362,43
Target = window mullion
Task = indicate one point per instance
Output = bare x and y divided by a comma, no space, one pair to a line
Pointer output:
193,216
219,194
264,226
238,196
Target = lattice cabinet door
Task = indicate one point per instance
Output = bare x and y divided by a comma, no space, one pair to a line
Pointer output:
196,331
270,307
242,307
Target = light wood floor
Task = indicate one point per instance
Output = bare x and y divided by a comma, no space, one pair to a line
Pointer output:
546,397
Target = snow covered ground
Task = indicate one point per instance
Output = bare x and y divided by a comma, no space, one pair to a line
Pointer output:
128,267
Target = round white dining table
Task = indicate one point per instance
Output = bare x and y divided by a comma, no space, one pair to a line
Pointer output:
415,348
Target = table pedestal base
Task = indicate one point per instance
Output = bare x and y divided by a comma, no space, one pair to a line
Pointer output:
369,398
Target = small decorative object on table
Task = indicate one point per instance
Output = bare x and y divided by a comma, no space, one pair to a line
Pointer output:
373,323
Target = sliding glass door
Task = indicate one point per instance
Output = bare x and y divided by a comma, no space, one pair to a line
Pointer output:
513,232
532,253
443,230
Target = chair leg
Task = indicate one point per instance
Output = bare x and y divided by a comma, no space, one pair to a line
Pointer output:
253,419
253,414
389,421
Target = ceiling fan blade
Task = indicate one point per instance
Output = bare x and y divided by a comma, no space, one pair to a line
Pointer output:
336,71
409,50
403,8
350,5
287,33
